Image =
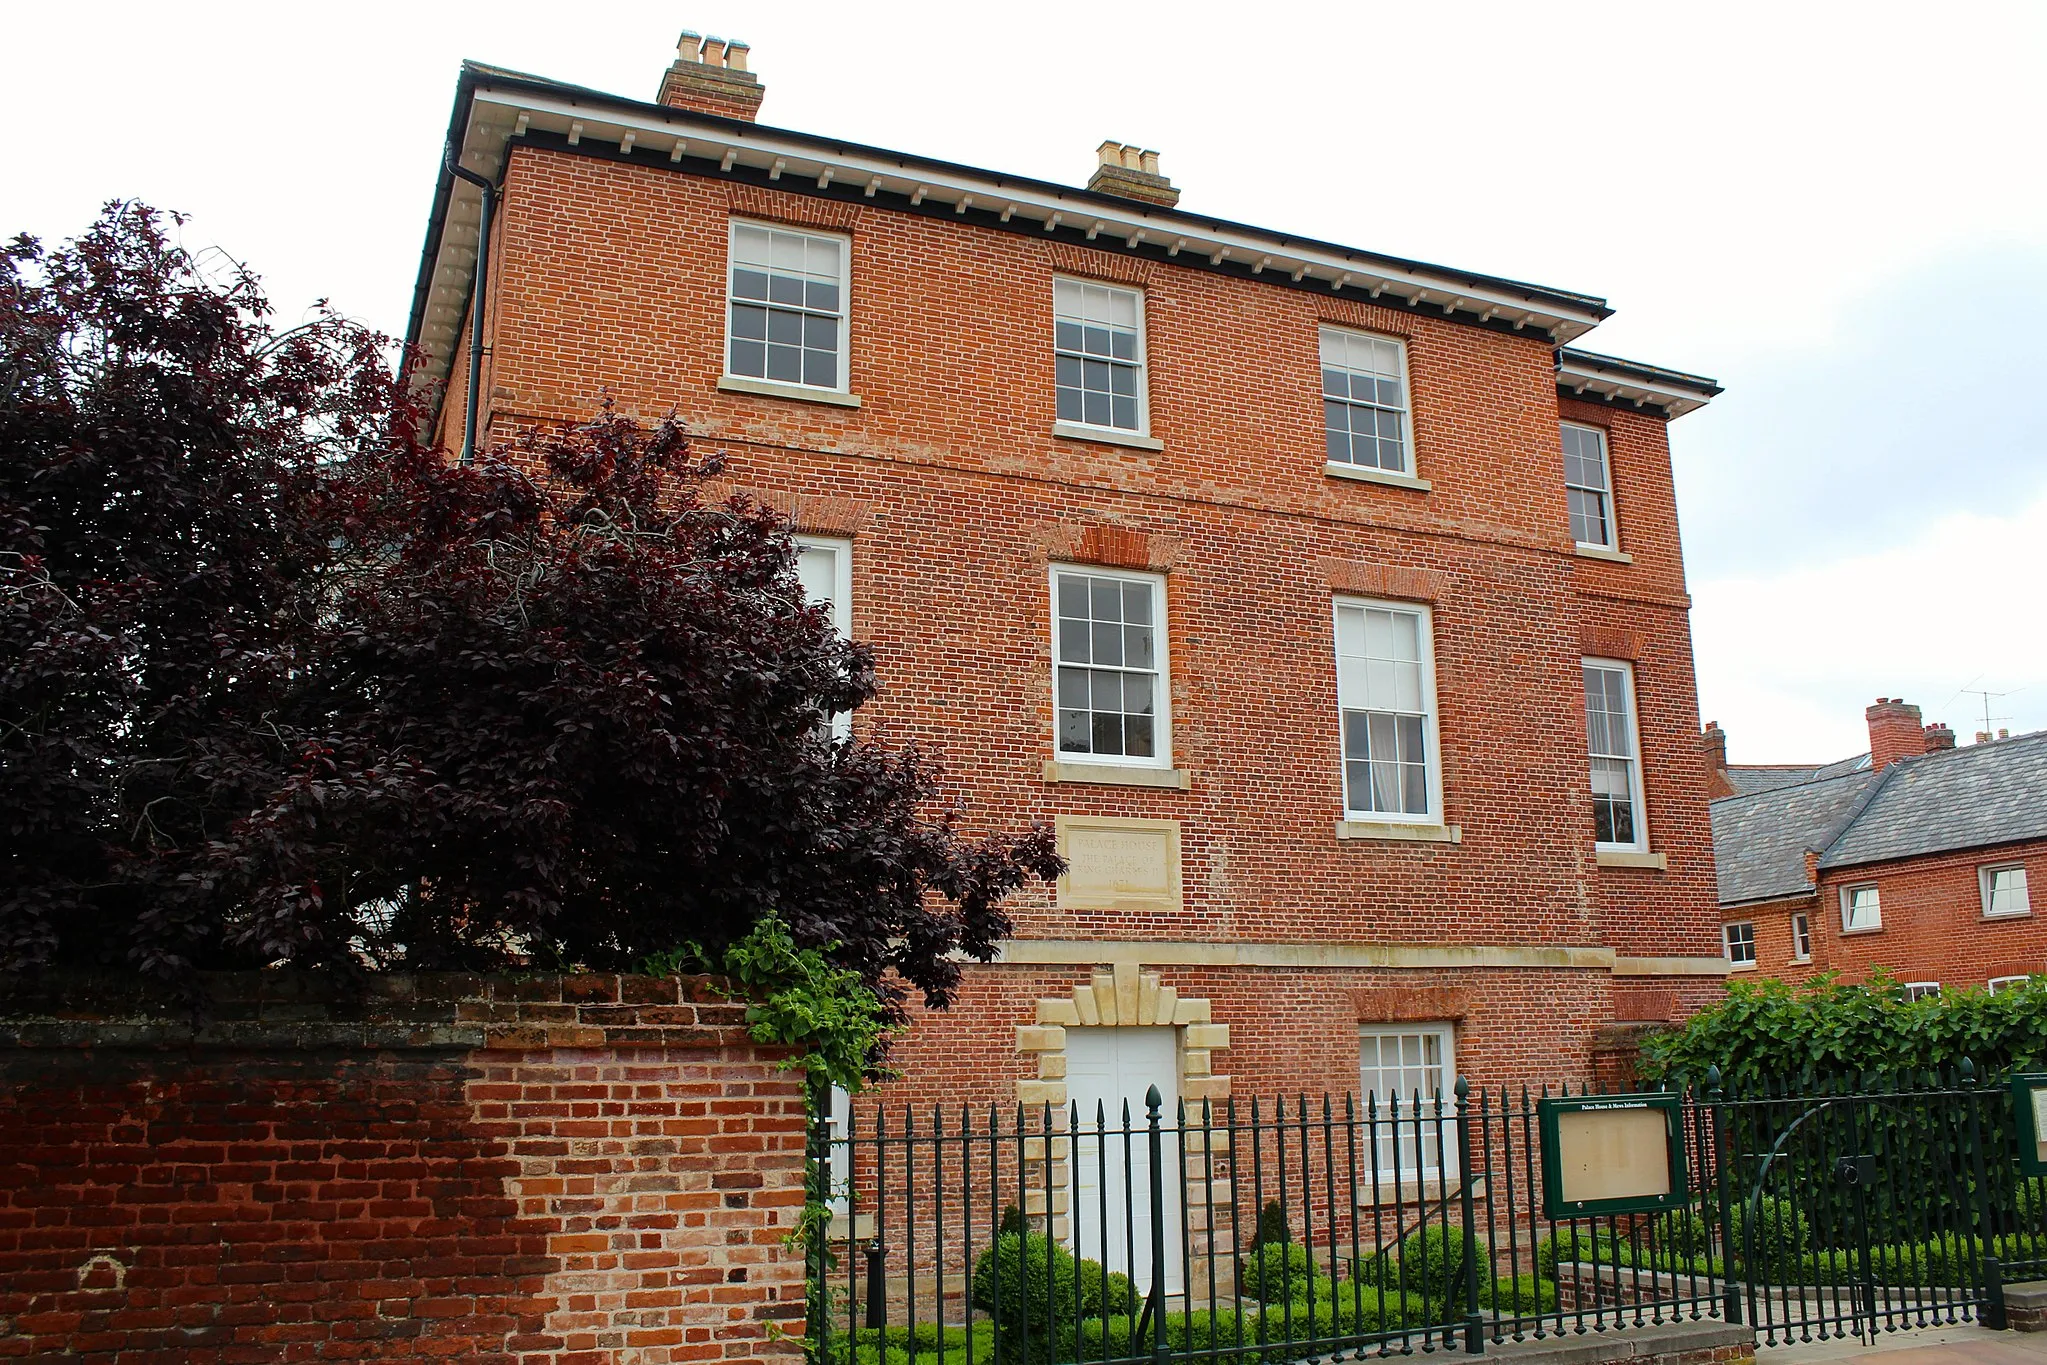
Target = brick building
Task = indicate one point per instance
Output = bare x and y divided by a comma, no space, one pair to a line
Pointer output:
1328,604
1916,857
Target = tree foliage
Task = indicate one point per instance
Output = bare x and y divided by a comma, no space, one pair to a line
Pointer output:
1829,1030
280,685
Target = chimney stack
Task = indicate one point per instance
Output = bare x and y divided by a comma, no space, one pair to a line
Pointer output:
1895,732
1132,173
1713,744
1939,738
710,77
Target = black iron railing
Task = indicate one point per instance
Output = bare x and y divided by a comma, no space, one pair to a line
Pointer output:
1270,1231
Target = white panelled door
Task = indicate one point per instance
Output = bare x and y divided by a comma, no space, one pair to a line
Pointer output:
1106,1067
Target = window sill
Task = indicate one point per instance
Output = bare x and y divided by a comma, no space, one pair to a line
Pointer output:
1105,436
1601,552
1364,475
1872,929
1801,962
1621,857
1741,966
1116,775
2008,914
1398,832
768,388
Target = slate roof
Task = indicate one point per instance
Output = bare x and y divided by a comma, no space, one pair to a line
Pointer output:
1748,780
1971,797
1992,793
1760,838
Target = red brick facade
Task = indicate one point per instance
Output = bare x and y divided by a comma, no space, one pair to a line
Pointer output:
545,1171
609,278
1934,928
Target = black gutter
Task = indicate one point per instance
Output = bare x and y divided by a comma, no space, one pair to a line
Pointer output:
1640,372
477,287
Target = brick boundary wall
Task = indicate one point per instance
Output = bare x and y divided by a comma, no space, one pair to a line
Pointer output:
568,1170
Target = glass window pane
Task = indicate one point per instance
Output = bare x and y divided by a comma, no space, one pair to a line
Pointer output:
1137,603
821,296
1072,595
749,358
1137,647
1137,736
1123,414
1070,409
785,363
750,284
1096,407
1073,641
1105,690
1075,727
1108,733
1105,599
786,250
821,369
1072,687
1108,642
821,334
785,328
785,289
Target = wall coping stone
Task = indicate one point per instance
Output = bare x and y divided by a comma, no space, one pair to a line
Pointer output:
304,1011
1635,1343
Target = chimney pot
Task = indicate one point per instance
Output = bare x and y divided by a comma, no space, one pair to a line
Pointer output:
1939,739
1713,743
1132,172
1982,736
1895,732
2003,733
710,76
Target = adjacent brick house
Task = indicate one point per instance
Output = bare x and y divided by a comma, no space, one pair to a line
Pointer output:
1917,858
1310,593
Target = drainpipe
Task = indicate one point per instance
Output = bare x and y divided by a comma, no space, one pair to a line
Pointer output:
476,298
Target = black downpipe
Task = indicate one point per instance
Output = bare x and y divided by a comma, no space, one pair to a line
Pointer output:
476,299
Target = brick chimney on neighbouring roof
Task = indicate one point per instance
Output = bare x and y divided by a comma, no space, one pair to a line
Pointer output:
710,77
1895,732
1939,737
1713,744
1132,173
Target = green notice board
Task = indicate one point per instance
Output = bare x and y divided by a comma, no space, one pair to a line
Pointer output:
2029,1112
1612,1154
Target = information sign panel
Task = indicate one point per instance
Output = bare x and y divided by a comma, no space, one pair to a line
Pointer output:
1612,1154
2029,1105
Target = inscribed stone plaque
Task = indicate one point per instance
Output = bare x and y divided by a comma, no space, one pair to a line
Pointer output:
1618,1153
1116,864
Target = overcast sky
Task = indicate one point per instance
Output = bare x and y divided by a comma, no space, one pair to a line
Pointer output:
1839,211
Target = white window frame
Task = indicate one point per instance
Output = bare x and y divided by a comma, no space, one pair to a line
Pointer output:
1637,792
1998,983
1399,1144
1162,731
1848,905
1405,411
1921,990
1426,636
841,602
1801,929
1727,942
1606,499
839,1153
845,315
1143,361
1984,876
